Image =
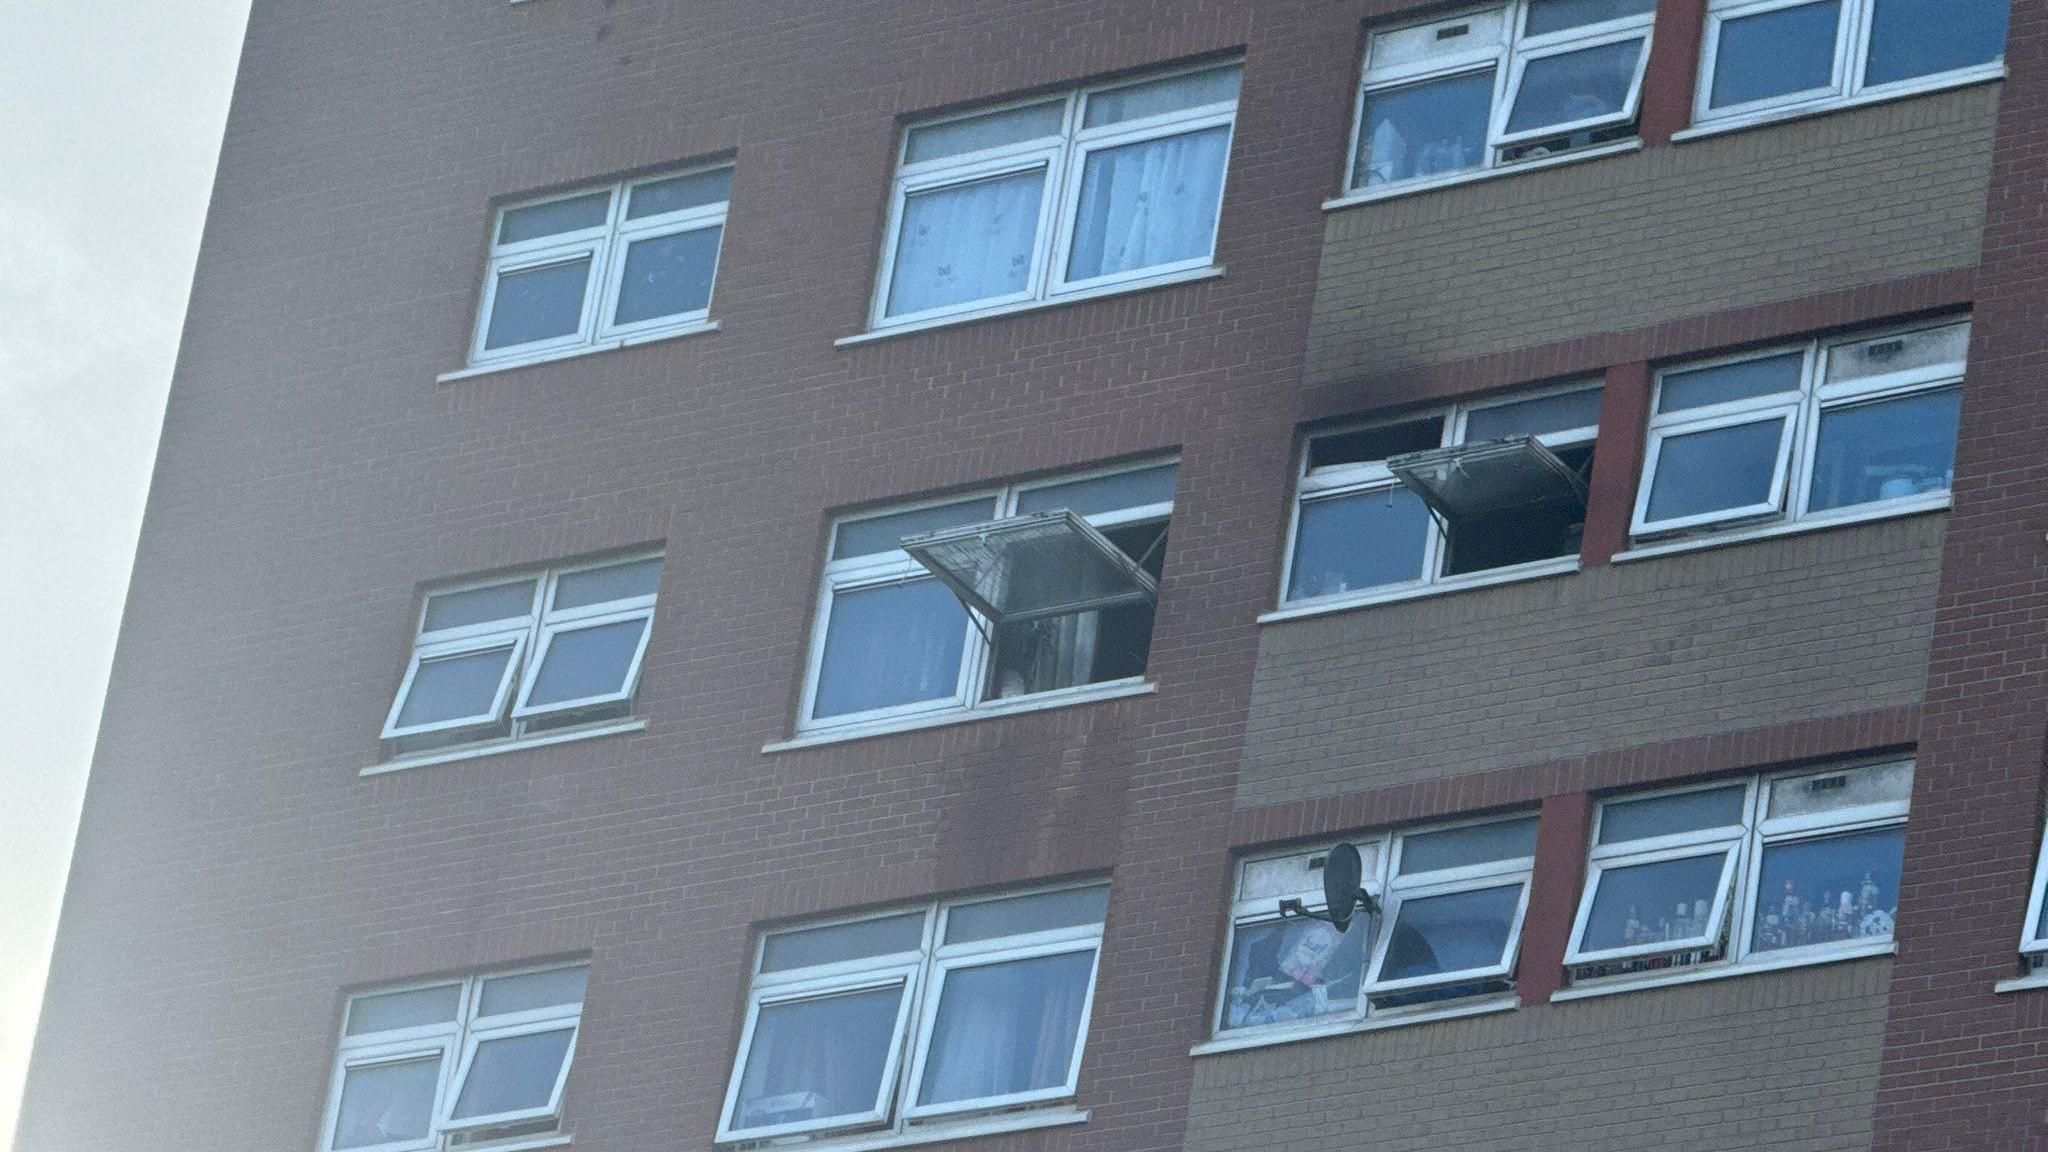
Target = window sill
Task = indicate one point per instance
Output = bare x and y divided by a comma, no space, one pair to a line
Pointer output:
1063,698
492,748
531,1143
1616,985
1352,1026
580,350
938,1131
1540,570
1164,280
1917,506
1759,119
1474,176
2035,979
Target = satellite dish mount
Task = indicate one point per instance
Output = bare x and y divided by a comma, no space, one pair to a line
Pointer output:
1343,894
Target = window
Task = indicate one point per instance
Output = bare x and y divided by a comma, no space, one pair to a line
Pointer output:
1406,504
1804,431
1769,55
515,655
455,1063
900,1019
602,267
1805,864
895,638
1452,902
1498,86
2034,938
1029,202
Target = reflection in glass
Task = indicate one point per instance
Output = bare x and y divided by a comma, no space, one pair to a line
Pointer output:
889,645
1006,1028
1364,540
599,585
513,1074
1724,383
676,193
571,214
454,687
1828,890
1561,413
1911,38
1669,815
1158,97
1716,470
1775,53
1023,915
538,304
1423,130
1455,932
413,1009
1888,450
1464,847
1147,204
586,662
530,990
1653,903
1573,86
966,242
478,605
989,130
668,275
816,1059
1293,970
837,943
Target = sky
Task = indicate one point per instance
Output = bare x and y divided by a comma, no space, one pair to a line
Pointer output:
110,123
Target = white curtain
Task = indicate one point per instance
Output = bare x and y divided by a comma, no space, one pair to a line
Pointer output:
1006,1028
1148,204
966,243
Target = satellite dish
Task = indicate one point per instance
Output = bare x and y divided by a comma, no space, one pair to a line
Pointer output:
1343,871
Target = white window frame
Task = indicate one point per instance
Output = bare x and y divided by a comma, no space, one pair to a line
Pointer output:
1851,66
1506,54
1064,159
1801,411
882,569
528,636
454,1043
1737,900
1518,871
2034,943
1261,911
605,245
921,976
1341,481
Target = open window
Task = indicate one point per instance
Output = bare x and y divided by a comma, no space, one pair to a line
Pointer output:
1454,909
1284,972
1028,590
2034,934
440,1066
1394,507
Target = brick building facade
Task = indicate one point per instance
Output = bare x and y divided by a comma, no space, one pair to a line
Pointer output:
355,872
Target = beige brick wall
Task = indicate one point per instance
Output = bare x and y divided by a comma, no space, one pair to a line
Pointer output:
1731,221
1821,624
1781,1061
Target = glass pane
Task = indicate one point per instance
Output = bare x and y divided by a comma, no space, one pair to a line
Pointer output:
1945,347
1462,847
555,217
679,192
1017,915
966,242
1652,903
1104,493
1368,445
1822,891
392,1010
1743,380
513,1073
1555,15
878,534
387,1103
1669,815
815,1059
1775,54
1886,451
1154,97
478,606
1006,1028
538,304
1854,788
455,687
859,940
668,275
1562,413
1293,970
1716,470
889,645
585,662
1910,38
1574,86
994,130
1147,204
1456,932
1423,130
530,990
603,585
1350,543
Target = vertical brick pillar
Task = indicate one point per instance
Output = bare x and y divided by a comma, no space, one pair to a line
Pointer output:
1674,68
1617,462
1567,821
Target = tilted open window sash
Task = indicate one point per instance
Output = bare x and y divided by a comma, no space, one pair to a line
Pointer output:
1032,567
2034,936
1470,480
512,1071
